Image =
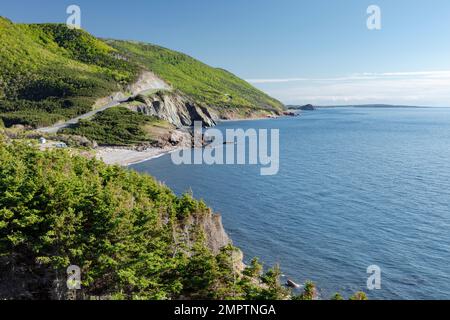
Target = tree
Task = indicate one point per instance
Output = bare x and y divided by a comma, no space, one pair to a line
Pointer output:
337,296
273,289
359,296
309,292
121,228
254,270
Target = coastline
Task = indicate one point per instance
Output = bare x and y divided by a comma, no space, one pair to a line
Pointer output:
126,157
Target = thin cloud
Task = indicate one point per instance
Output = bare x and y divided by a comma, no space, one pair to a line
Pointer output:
277,80
427,88
359,76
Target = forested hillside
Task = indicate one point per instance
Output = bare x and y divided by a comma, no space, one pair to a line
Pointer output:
130,235
50,73
213,87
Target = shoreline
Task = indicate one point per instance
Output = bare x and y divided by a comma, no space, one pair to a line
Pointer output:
126,157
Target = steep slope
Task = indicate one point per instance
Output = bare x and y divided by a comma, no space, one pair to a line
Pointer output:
49,73
131,237
210,86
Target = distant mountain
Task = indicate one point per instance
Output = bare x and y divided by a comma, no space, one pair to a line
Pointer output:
308,107
312,107
372,106
50,73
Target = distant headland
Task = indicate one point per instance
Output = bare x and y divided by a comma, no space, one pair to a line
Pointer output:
310,107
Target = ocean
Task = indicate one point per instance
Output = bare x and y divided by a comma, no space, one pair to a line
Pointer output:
356,187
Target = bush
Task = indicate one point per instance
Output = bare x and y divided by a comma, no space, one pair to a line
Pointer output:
123,229
52,69
115,126
359,296
57,210
337,297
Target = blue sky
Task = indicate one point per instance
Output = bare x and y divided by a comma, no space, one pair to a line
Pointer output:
318,52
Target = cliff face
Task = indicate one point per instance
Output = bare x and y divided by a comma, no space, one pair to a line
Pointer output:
27,280
216,237
181,111
173,107
148,81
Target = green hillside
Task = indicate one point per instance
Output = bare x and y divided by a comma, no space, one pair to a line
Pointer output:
118,127
211,86
124,230
50,73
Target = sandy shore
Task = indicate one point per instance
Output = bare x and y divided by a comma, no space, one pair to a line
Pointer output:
126,157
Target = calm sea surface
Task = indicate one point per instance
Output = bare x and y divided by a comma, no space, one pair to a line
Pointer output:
356,187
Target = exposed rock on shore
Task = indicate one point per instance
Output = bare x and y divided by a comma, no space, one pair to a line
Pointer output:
173,107
307,107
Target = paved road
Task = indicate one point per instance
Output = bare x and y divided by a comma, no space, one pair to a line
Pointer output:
55,128
114,103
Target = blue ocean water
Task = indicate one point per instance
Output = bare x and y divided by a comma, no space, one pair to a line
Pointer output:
356,187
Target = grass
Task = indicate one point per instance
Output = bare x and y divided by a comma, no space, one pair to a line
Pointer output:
118,127
210,86
50,73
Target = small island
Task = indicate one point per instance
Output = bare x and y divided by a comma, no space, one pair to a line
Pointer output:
307,107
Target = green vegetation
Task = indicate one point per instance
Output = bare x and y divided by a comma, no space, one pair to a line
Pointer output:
359,296
337,297
50,73
125,230
212,87
116,126
131,236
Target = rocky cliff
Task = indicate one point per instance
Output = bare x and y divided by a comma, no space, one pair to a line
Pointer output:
20,279
173,107
148,81
181,111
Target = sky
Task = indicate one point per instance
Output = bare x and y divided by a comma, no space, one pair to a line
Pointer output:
318,52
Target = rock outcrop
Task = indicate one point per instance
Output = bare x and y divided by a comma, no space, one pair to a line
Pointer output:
148,81
216,237
153,96
173,107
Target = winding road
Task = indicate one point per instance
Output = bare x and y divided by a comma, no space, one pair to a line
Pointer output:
55,128
148,82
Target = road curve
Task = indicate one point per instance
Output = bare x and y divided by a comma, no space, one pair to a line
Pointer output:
55,128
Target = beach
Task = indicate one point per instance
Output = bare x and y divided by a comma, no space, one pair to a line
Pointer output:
126,156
